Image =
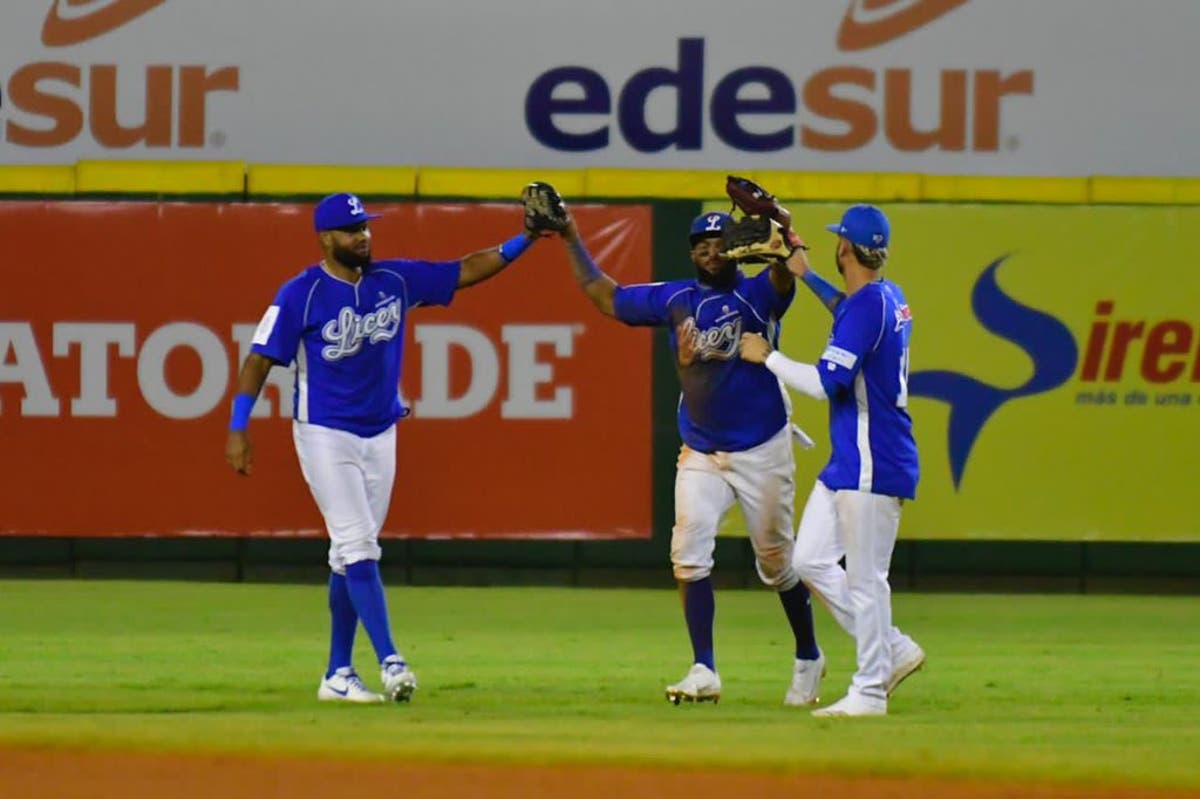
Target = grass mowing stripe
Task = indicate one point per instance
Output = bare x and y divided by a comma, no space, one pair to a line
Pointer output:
1049,687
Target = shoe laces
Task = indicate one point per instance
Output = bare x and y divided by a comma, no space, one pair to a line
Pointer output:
395,666
351,677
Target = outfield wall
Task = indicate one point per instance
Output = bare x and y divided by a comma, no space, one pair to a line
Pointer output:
1045,465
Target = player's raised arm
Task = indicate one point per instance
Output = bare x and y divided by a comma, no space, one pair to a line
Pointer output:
544,213
479,266
238,449
599,287
829,295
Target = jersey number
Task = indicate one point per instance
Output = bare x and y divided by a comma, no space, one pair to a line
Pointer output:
902,397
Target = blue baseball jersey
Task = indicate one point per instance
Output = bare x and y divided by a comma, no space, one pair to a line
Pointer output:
348,339
727,404
864,370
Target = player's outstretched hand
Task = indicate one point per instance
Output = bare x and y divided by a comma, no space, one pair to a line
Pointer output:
238,452
545,211
755,348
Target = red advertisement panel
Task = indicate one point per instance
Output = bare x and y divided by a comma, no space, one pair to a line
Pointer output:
123,325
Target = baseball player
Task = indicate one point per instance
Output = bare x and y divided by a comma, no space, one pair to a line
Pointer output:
733,419
342,322
854,508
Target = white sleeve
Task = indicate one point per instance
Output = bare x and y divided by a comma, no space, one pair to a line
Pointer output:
801,376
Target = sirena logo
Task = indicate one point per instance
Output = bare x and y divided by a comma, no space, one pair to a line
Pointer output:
53,103
869,23
759,108
74,21
1046,340
1162,354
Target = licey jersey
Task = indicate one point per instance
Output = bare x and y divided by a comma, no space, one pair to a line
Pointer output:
347,339
727,404
864,371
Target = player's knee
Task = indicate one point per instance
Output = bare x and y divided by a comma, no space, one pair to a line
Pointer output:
360,549
690,572
775,567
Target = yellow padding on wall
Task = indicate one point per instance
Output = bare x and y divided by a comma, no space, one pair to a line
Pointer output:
160,177
864,186
660,183
37,180
967,188
1187,190
437,181
236,178
1107,189
292,179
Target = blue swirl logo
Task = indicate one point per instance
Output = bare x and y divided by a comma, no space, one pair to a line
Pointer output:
1047,342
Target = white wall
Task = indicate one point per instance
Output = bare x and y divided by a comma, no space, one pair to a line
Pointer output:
1094,87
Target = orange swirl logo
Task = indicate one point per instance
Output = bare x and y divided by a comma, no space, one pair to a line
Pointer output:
74,21
869,23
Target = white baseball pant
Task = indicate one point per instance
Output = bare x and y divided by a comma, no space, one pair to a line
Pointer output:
862,527
350,478
762,480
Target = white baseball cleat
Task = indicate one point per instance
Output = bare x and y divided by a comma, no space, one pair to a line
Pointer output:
906,660
806,681
852,705
398,680
701,684
345,686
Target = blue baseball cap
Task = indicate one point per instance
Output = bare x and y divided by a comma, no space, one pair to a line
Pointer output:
864,225
340,210
707,226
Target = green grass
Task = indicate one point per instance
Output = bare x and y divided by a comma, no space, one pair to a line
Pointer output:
1047,687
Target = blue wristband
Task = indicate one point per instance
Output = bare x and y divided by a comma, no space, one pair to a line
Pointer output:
240,418
826,292
511,250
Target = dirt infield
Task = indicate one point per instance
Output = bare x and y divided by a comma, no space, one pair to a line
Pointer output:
68,774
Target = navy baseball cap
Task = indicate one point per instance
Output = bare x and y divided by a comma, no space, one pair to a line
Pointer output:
864,225
707,226
340,210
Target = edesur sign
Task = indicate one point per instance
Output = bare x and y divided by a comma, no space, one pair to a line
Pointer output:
817,111
54,102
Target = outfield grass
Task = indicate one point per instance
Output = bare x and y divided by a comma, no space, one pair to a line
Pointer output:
1058,687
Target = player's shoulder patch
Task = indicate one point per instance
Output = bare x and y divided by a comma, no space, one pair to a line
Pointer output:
839,357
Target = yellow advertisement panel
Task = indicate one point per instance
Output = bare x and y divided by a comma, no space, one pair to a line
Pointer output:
1055,374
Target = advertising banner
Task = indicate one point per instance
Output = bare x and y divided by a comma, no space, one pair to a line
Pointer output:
1025,87
123,326
1054,380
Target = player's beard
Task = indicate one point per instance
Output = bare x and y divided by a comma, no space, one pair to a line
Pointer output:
722,280
838,263
347,257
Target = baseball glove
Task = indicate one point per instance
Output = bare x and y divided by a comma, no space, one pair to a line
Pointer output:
544,209
753,200
754,238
